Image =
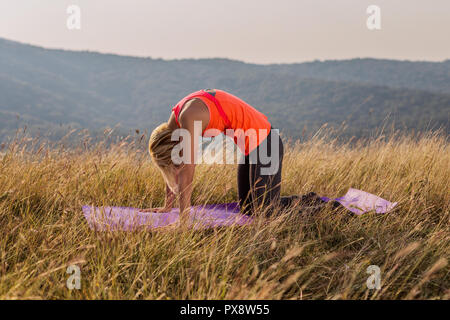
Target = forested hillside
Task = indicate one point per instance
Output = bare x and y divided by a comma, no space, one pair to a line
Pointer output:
54,89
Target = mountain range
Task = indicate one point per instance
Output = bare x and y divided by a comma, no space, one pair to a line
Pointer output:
52,90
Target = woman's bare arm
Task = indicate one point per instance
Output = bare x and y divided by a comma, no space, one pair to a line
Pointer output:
186,178
170,198
195,111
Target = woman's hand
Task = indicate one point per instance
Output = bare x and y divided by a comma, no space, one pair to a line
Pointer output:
170,198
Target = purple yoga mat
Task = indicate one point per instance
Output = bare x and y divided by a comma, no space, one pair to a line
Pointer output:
359,202
128,219
210,216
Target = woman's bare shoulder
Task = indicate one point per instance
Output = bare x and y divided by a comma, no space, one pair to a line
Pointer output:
194,110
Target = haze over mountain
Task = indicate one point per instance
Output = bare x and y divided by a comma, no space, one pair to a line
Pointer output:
53,89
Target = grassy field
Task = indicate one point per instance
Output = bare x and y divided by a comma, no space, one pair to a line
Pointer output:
289,256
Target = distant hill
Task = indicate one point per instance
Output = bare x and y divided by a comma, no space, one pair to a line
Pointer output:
53,89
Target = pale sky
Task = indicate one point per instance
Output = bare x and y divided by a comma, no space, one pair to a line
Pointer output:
259,31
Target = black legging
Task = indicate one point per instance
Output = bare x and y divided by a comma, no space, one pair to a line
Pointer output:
257,189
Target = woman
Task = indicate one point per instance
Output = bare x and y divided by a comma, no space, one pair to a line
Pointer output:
209,113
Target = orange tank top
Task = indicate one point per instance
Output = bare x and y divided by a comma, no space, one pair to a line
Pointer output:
230,115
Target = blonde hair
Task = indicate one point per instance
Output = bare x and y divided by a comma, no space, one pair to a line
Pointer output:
160,147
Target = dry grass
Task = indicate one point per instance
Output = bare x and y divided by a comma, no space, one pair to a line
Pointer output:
324,256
